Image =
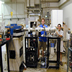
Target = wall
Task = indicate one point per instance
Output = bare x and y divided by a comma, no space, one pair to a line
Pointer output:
67,13
17,9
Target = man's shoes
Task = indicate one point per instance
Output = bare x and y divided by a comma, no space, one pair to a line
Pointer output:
61,63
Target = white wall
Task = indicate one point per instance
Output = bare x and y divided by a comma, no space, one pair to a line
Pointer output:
17,9
67,15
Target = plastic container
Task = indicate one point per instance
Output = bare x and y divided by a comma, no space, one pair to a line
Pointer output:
52,44
0,39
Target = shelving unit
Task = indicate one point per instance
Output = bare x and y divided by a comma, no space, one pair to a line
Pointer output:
31,49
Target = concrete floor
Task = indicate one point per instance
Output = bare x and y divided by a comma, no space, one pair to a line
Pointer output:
61,69
44,70
38,69
52,57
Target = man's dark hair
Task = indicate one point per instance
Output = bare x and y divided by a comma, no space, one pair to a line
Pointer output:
59,24
63,22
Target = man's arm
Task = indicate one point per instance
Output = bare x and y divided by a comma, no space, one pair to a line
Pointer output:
68,28
60,35
45,26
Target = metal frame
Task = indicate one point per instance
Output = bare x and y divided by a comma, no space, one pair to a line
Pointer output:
58,53
36,50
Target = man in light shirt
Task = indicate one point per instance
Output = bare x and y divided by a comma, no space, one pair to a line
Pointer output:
59,33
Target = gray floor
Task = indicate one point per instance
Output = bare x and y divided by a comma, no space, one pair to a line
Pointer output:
38,69
52,57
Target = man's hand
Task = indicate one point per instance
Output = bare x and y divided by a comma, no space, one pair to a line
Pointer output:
8,32
57,33
11,26
43,26
68,28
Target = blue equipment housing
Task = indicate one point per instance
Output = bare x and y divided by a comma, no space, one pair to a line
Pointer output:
13,27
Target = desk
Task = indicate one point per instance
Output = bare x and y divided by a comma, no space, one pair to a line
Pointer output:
1,62
58,53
